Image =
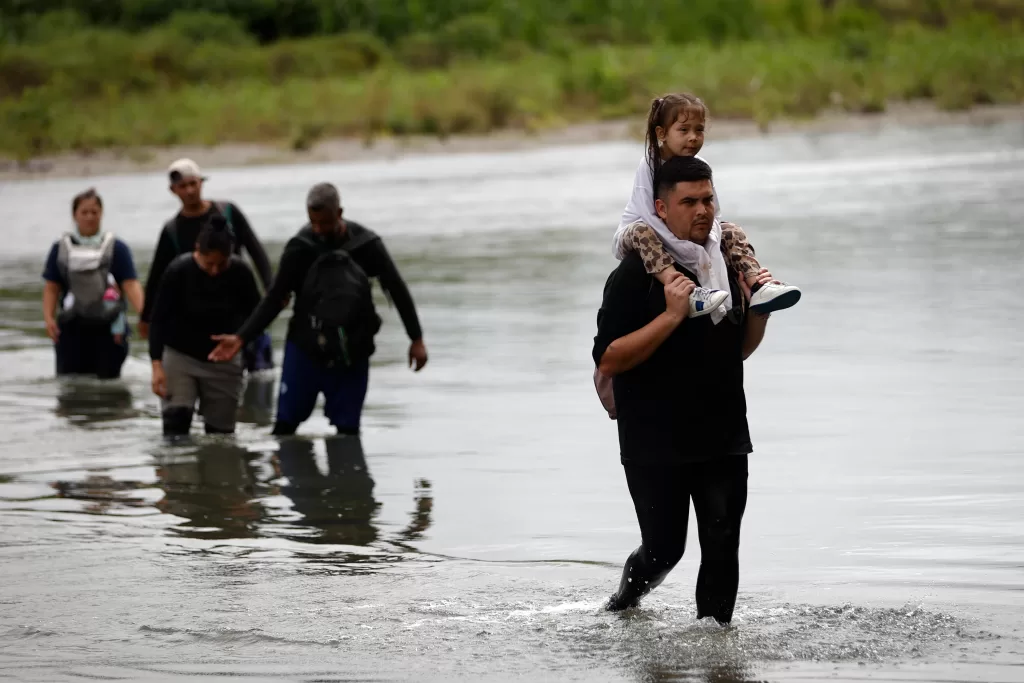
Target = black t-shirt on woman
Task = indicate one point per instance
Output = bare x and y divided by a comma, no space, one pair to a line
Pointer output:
191,306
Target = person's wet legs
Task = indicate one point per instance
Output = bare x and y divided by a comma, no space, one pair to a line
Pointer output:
88,348
177,420
179,403
300,385
73,349
220,389
345,391
661,499
110,356
719,500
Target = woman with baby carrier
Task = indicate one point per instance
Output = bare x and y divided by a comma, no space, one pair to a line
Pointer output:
89,274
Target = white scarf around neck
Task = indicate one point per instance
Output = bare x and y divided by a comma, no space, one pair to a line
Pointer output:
706,262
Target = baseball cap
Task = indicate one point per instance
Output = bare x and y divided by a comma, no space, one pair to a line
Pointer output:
182,169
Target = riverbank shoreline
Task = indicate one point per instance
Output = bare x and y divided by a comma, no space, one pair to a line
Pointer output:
345,150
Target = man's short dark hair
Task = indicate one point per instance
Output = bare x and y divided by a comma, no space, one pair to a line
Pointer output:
679,170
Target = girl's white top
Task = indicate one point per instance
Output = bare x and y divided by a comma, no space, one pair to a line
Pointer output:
706,262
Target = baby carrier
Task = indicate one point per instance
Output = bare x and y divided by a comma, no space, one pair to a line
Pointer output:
86,269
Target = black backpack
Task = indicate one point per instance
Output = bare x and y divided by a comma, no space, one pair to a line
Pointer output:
337,303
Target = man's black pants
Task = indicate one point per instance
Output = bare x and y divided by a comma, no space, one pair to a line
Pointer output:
661,496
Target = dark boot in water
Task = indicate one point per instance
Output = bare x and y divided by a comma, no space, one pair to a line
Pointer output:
637,581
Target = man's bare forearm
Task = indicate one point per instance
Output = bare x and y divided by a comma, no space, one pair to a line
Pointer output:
625,353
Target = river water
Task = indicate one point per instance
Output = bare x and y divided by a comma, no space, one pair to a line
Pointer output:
478,527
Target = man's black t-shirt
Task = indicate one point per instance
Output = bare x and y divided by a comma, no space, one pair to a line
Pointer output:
192,305
686,402
366,249
179,237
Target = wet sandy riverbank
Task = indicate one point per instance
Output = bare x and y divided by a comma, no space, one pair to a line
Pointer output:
110,162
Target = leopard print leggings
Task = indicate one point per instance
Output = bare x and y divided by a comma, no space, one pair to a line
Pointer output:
642,239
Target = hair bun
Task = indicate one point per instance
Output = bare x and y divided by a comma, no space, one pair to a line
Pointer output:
216,234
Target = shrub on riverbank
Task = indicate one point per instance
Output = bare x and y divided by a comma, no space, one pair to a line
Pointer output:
201,78
529,21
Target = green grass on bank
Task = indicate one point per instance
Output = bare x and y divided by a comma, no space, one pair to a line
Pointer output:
316,93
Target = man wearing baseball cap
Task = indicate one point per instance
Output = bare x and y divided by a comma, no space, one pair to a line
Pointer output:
179,237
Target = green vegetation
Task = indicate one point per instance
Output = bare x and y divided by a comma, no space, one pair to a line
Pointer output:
90,74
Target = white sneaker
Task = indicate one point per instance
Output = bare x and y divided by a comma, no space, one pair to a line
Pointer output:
774,296
704,301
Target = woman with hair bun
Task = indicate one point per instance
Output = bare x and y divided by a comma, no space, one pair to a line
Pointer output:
201,294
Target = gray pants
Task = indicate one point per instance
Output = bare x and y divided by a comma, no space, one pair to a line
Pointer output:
217,387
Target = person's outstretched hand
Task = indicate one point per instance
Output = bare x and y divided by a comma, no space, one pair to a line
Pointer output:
417,355
228,346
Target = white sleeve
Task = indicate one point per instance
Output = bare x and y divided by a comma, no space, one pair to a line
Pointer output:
640,207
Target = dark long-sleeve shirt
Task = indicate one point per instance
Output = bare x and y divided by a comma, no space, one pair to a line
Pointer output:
366,249
192,305
179,237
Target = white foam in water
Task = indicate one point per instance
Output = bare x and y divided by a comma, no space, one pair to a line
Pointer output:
557,609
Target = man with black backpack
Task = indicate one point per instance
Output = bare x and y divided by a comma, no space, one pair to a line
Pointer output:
328,266
179,237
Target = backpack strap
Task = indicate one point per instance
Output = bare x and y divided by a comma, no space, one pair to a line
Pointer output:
64,248
107,250
225,210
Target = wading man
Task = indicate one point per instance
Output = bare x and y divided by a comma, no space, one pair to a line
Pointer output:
328,266
678,387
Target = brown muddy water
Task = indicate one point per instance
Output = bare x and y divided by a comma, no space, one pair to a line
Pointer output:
477,529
